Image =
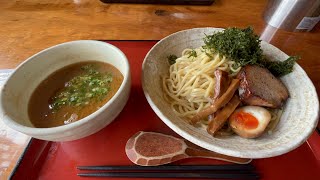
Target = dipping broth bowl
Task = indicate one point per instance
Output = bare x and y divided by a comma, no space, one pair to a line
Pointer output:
17,90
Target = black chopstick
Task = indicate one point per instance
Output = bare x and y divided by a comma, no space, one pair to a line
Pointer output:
173,171
234,167
170,175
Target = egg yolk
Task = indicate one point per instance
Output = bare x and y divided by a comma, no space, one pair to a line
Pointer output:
246,119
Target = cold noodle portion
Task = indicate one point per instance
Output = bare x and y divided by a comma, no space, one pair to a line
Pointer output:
191,83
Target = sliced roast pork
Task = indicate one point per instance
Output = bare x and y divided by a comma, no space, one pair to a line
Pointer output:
259,87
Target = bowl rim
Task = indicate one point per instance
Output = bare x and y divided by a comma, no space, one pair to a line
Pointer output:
193,139
34,131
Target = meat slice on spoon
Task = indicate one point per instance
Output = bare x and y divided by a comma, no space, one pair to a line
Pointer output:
153,149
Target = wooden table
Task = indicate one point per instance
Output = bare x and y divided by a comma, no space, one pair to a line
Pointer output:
28,26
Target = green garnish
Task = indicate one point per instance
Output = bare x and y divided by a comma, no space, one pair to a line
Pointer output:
172,59
240,45
82,89
280,68
243,47
192,53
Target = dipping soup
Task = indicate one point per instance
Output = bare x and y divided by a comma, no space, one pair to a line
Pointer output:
73,93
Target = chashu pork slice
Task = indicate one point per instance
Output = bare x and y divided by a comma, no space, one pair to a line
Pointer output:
261,88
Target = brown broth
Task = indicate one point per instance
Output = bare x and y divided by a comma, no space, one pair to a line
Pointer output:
40,113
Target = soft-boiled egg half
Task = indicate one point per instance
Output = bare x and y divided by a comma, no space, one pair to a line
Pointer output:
249,121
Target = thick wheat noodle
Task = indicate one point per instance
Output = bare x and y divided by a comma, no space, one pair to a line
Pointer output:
275,118
221,118
220,102
190,82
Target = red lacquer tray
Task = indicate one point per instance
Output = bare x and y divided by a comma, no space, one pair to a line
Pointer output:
58,160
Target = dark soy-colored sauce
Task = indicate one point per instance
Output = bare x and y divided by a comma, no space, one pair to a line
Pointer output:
40,113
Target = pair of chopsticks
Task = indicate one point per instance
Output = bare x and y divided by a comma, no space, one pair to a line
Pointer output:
236,171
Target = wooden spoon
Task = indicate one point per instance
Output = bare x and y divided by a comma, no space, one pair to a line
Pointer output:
152,149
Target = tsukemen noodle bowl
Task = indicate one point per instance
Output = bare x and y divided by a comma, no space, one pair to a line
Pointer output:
68,91
263,111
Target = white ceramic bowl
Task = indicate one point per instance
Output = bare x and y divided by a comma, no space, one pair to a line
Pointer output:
297,122
20,85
